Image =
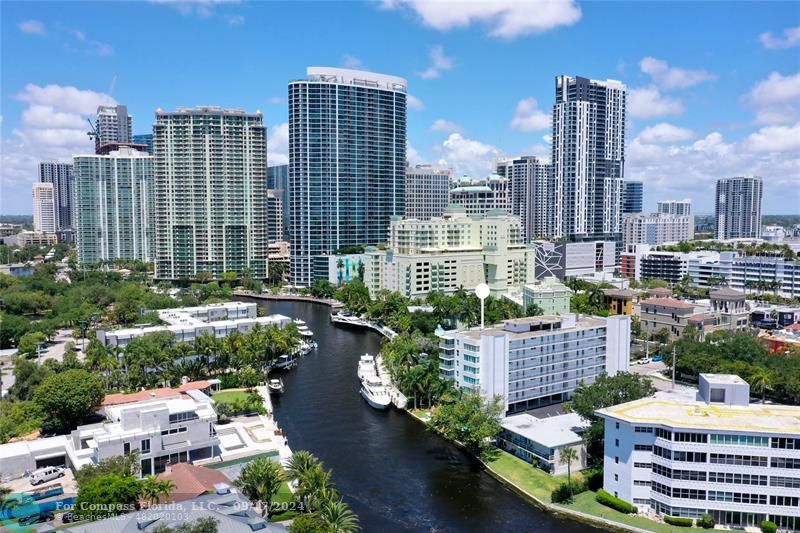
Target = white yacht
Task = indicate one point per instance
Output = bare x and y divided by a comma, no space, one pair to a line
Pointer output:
374,392
275,386
304,331
366,367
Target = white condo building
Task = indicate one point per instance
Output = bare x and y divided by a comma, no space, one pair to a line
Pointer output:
113,125
656,228
738,207
427,191
535,361
60,175
532,194
675,207
716,453
44,207
480,196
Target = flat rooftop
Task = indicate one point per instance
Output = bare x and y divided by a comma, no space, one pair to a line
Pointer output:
689,414
567,324
552,432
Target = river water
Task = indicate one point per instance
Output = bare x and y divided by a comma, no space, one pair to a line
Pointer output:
393,473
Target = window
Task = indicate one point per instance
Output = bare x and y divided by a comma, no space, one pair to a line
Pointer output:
662,452
147,467
784,501
641,501
126,448
739,440
737,497
664,434
689,494
686,475
616,477
616,443
787,482
642,465
617,425
616,459
785,444
172,431
683,436
145,446
643,447
742,460
182,417
641,483
689,457
642,429
737,479
785,462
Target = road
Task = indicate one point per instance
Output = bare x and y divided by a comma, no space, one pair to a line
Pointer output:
54,350
655,370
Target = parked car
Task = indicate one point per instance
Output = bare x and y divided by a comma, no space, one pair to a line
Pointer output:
44,516
47,473
644,360
657,358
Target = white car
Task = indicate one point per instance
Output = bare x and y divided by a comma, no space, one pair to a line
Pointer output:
45,474
644,361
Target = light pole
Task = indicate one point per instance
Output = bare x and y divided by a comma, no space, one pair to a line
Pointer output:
83,324
482,292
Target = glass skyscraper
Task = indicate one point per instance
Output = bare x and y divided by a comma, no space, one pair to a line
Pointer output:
114,206
278,181
347,159
60,175
632,196
210,174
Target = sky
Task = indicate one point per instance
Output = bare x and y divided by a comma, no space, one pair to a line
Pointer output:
713,88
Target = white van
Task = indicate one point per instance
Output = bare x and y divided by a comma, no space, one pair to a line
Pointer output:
46,474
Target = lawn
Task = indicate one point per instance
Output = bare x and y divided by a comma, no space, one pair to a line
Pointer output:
585,503
526,476
284,496
229,396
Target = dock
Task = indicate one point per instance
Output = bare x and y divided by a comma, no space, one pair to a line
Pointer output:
398,398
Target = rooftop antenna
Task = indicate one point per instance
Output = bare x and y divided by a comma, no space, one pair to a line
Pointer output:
482,292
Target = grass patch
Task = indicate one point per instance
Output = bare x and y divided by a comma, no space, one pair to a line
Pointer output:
585,503
229,396
527,477
284,496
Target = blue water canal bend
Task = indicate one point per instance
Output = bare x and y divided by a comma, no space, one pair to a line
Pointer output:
394,474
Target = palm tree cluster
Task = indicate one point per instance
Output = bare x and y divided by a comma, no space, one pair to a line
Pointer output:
260,481
413,363
320,498
152,490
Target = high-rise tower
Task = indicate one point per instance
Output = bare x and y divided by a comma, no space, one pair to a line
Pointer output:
738,207
60,175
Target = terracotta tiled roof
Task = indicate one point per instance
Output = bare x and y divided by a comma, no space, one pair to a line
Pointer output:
668,302
191,481
152,394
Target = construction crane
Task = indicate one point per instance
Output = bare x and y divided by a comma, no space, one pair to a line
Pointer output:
93,134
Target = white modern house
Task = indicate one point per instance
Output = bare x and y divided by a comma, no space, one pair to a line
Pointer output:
535,361
188,323
671,454
540,441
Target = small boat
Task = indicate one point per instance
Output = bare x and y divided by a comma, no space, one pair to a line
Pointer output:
275,386
299,322
304,331
374,392
366,366
284,361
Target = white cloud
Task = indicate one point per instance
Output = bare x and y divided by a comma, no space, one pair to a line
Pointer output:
665,133
648,102
65,98
467,156
351,61
504,18
32,26
412,156
528,116
234,20
547,138
439,63
773,116
414,103
791,37
202,8
446,126
673,77
542,151
775,139
776,89
278,144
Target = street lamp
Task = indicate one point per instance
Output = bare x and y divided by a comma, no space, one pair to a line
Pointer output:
482,292
83,324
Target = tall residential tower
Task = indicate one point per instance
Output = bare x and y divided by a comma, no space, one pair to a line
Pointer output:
210,176
44,207
738,207
588,158
60,175
427,191
113,125
632,196
532,194
347,161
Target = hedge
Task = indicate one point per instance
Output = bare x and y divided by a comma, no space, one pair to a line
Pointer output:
678,521
768,527
706,521
604,498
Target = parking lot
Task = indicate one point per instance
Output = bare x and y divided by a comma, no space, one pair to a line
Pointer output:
67,481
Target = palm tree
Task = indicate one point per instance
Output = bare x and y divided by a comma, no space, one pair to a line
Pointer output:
165,488
566,457
260,481
314,487
760,381
150,489
336,517
301,462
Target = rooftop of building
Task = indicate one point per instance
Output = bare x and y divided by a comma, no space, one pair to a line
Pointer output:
153,394
534,326
660,292
357,77
551,432
207,110
191,481
668,302
686,413
726,292
628,294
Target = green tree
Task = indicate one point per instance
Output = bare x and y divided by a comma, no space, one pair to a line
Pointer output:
533,310
354,295
68,397
566,457
472,421
107,495
307,523
29,343
300,462
260,481
605,392
760,381
12,330
27,376
336,517
322,288
19,418
153,490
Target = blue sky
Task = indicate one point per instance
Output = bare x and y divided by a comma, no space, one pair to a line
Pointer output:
714,88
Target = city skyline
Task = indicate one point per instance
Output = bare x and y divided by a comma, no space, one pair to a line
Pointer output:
720,102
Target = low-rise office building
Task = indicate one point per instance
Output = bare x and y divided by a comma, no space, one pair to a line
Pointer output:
535,361
656,228
188,323
31,238
619,301
540,441
716,453
573,259
550,295
665,313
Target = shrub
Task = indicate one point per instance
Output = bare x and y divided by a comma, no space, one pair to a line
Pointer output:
678,521
561,494
768,527
706,521
604,498
229,381
594,478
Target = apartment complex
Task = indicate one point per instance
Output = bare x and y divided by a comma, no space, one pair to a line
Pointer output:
60,175
278,181
588,158
113,125
535,361
274,215
347,161
532,194
675,207
44,207
632,196
656,228
540,441
114,214
210,169
550,295
716,453
745,272
738,207
456,250
665,313
427,191
483,195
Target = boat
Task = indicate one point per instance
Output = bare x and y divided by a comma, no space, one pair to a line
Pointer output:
304,331
275,386
374,392
299,322
284,361
366,366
